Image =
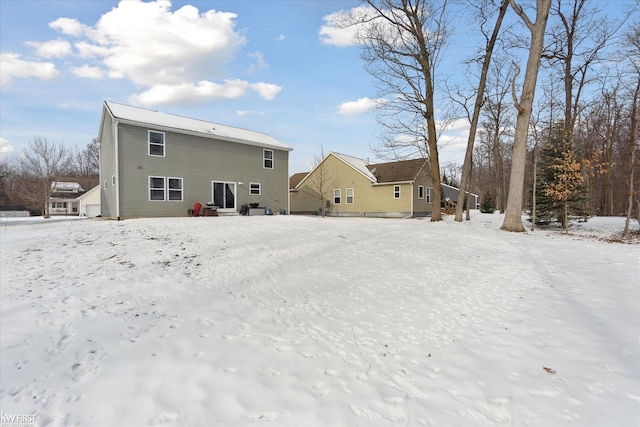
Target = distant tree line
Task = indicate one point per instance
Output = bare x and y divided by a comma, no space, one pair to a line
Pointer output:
26,181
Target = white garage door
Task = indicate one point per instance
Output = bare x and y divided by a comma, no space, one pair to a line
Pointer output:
93,210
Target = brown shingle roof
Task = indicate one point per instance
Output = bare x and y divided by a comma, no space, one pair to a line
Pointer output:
405,170
295,179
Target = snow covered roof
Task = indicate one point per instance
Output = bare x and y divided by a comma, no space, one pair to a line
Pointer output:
142,116
69,187
358,164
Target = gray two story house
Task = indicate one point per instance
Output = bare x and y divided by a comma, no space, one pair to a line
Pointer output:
154,164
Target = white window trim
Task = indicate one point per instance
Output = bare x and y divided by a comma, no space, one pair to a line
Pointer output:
164,143
420,191
251,184
339,197
398,192
264,158
353,196
167,198
164,188
428,195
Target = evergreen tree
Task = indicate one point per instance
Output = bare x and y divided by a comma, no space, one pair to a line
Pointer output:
488,203
558,187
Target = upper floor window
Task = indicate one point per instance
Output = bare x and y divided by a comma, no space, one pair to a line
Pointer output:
350,192
396,191
254,188
267,156
428,197
420,191
156,143
337,193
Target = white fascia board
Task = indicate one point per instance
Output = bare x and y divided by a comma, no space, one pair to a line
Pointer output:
393,183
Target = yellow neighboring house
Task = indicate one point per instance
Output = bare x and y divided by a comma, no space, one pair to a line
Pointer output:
348,186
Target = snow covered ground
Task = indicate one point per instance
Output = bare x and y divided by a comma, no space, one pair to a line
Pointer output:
304,321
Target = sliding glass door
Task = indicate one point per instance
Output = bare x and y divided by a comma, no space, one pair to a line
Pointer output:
224,195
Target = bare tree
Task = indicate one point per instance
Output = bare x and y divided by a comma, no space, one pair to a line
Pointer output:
633,43
575,47
468,158
401,42
40,165
86,162
498,124
7,180
513,215
319,184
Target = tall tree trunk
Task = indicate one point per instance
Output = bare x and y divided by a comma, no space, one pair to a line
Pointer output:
513,214
533,190
466,167
633,137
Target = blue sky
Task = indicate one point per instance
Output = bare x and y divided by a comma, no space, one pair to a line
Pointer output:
269,66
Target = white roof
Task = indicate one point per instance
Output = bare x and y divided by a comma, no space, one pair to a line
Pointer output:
66,186
136,115
358,164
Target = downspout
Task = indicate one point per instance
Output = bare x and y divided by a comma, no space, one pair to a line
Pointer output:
116,146
411,214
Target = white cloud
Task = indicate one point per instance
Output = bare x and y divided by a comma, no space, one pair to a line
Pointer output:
335,30
68,26
267,91
248,112
151,45
188,93
88,72
5,147
360,106
52,49
173,56
14,67
202,91
260,63
280,37
454,137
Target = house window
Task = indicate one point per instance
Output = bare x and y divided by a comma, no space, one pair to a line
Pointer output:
396,191
161,189
254,188
420,192
113,180
156,143
349,196
156,188
174,189
336,196
267,157
428,197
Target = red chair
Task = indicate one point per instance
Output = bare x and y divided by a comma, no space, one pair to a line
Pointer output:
196,209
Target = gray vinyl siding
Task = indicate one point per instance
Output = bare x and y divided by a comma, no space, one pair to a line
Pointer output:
420,206
198,161
107,168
